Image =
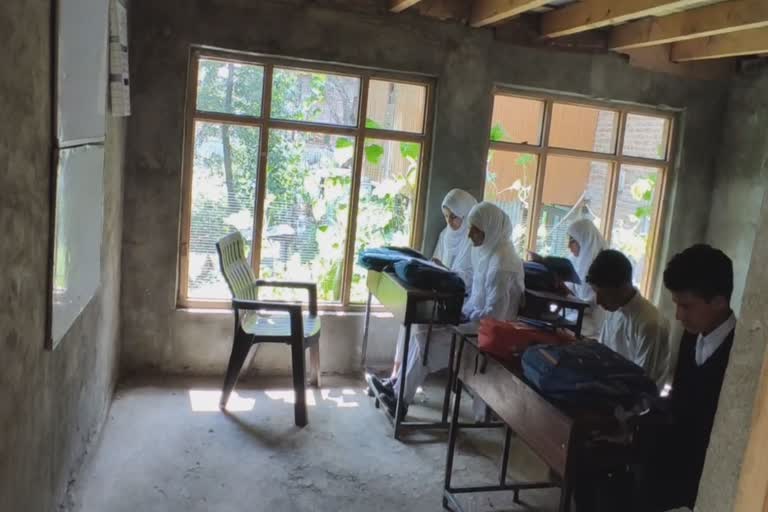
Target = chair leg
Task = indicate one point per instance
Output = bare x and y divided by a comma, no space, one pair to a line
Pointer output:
314,362
299,382
240,347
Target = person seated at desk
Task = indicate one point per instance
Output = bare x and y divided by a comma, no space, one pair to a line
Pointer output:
633,326
585,242
701,282
453,251
497,289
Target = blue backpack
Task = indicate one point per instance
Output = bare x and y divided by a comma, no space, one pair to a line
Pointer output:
426,275
586,373
380,258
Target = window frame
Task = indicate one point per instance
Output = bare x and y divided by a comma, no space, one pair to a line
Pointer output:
265,123
616,160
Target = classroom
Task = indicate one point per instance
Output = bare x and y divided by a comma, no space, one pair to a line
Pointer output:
309,255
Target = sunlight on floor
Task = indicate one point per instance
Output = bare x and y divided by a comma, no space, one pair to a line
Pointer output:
207,400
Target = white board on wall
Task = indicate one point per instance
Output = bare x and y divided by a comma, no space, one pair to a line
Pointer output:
79,219
82,28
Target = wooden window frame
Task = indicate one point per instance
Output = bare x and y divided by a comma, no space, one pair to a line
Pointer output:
616,160
265,123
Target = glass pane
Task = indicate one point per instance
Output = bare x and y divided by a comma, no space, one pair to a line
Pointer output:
223,187
509,182
583,128
396,106
315,97
229,87
517,120
387,196
646,136
634,215
309,178
574,188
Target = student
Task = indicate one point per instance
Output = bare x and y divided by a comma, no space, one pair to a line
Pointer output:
453,251
633,326
585,242
701,282
497,289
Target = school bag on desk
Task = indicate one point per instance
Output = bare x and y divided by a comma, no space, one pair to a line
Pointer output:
384,258
426,275
508,340
586,373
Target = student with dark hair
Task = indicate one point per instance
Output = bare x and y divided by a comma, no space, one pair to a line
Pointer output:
633,326
701,282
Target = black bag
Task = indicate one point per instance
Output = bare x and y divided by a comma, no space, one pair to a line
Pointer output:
380,258
539,278
426,275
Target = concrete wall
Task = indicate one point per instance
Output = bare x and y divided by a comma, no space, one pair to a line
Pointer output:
741,174
467,64
52,404
738,225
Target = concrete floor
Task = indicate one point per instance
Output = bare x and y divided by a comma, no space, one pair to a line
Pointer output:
166,447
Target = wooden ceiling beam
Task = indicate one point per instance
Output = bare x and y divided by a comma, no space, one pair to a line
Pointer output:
592,14
710,20
401,5
735,44
489,12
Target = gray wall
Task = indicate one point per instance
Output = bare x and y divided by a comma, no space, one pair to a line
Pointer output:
52,405
741,174
738,226
466,63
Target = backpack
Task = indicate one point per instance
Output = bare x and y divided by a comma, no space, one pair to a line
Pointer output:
539,278
380,258
426,275
586,373
508,340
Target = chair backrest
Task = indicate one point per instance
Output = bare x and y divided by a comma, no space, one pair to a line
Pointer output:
236,267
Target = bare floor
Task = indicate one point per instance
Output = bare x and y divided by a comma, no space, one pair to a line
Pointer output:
167,447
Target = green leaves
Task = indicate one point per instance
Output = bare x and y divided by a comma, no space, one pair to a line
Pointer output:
498,133
410,150
342,143
524,159
373,153
370,123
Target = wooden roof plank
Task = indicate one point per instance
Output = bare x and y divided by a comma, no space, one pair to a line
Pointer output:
489,12
401,5
593,14
735,44
710,20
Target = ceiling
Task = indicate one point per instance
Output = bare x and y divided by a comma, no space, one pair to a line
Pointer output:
685,30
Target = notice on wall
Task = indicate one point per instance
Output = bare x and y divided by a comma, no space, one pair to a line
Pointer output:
119,83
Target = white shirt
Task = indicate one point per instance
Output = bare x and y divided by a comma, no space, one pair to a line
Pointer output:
707,345
639,333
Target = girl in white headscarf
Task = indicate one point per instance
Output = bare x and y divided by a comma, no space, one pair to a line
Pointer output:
499,280
498,284
453,251
585,243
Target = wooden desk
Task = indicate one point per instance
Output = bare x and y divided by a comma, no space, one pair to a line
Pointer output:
410,306
536,300
564,440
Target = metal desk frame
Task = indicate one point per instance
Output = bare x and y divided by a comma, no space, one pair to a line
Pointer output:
409,317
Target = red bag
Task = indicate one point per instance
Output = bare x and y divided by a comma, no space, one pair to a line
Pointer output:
508,340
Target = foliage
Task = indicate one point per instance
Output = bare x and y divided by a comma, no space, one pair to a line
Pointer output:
308,176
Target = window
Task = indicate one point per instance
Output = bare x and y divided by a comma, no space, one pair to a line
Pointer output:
552,162
310,163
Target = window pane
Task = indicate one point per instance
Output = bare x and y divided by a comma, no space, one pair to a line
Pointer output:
574,188
517,120
583,128
509,182
388,186
396,106
309,178
646,136
315,97
634,215
223,184
229,87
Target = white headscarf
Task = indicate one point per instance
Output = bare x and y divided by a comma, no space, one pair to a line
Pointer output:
496,253
591,242
454,245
